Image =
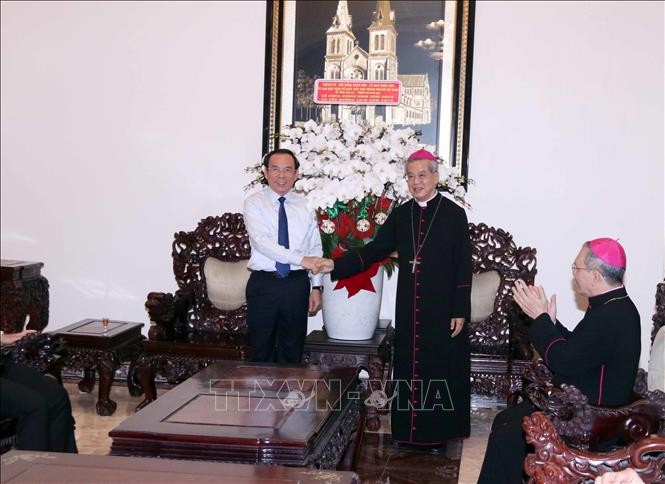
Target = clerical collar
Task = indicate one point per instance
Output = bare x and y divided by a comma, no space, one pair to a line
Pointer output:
424,204
606,297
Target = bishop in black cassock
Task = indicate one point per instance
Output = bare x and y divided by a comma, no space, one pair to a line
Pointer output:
600,356
431,367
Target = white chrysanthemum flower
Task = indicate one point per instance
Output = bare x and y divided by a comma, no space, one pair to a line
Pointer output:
373,184
310,125
385,172
348,161
295,133
330,131
332,169
451,182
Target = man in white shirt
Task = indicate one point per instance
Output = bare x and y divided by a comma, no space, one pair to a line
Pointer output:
285,241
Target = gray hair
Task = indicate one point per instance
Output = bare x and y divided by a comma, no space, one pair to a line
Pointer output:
612,274
433,165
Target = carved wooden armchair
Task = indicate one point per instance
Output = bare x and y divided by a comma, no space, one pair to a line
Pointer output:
500,352
586,426
555,461
205,320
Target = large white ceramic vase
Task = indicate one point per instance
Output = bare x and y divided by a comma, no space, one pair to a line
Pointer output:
355,317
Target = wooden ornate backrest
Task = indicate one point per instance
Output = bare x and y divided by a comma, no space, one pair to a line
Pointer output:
555,461
222,237
493,249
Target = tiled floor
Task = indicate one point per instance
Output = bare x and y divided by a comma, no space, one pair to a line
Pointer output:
379,463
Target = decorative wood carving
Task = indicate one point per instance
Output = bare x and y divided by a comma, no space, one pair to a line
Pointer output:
585,426
495,385
503,332
659,317
335,445
555,461
24,292
42,351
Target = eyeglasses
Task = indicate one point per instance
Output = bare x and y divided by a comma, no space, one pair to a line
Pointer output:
575,269
274,170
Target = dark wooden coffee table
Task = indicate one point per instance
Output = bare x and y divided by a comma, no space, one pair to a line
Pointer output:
373,355
90,346
250,413
22,467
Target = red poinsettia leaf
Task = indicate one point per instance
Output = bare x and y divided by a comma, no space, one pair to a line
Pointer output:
385,203
345,225
360,281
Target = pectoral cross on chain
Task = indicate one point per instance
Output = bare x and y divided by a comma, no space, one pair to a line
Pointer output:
414,263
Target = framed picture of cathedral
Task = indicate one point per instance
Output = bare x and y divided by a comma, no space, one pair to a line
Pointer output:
415,57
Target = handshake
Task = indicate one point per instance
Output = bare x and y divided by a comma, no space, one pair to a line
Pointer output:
317,265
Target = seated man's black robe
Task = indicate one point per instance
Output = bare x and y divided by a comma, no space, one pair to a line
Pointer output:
431,369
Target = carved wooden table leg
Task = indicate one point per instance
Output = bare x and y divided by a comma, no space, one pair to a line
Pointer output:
374,387
87,383
133,384
106,365
146,375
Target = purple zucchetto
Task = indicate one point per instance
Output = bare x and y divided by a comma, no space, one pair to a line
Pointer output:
422,155
609,251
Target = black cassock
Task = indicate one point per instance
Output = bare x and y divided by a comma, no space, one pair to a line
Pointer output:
431,369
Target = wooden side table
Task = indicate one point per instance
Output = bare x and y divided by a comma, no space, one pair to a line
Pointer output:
90,346
24,292
373,355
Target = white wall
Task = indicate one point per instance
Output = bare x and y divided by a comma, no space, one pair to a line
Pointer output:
567,136
124,122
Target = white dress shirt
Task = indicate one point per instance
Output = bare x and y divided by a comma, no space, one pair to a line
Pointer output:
261,212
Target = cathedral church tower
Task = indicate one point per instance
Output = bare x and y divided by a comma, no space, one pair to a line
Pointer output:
340,40
382,43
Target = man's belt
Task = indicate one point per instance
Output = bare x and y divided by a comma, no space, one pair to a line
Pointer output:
292,274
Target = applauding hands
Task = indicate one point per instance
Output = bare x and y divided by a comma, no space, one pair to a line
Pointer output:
533,300
317,265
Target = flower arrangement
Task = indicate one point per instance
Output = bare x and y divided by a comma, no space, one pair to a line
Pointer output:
353,175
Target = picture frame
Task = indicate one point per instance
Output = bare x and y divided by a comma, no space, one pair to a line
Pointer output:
299,43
